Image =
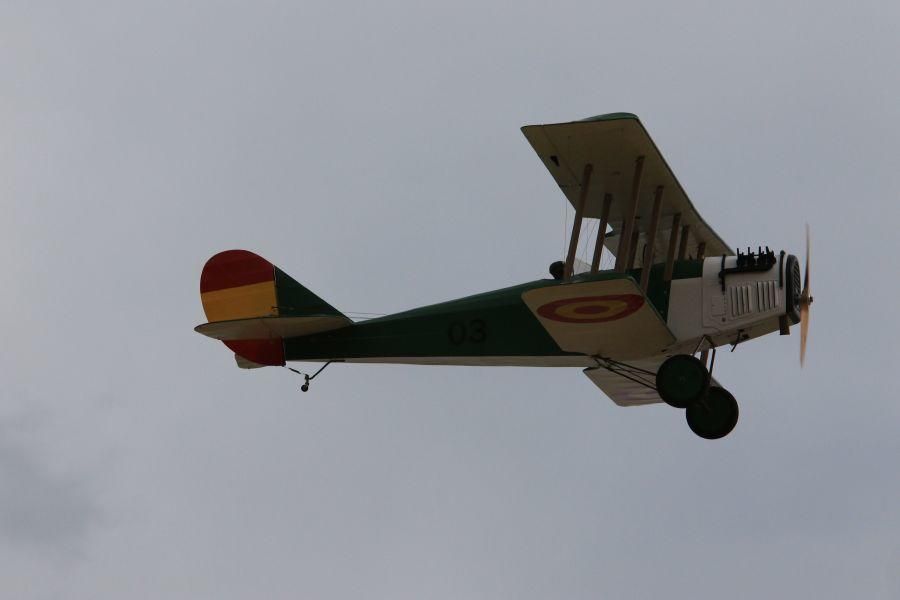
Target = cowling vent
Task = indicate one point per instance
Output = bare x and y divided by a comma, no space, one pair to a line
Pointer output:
739,299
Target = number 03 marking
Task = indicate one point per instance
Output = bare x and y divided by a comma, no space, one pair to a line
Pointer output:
475,331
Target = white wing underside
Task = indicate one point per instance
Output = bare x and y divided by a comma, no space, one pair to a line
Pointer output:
637,389
630,390
611,144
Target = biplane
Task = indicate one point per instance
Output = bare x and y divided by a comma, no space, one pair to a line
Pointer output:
644,330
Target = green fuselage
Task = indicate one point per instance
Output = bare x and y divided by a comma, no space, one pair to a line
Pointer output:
492,324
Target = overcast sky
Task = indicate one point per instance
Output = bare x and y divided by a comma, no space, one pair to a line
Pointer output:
372,151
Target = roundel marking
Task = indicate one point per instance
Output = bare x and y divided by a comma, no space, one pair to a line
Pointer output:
591,309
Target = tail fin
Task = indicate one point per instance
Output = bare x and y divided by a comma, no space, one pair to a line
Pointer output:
251,305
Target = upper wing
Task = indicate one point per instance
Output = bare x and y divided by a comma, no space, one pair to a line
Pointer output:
612,144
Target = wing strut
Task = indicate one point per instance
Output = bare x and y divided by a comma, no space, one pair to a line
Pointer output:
601,232
632,252
647,261
576,225
673,239
682,245
625,241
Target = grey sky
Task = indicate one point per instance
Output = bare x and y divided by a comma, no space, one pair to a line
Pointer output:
373,152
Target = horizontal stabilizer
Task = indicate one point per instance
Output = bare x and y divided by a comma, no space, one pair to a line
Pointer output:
261,328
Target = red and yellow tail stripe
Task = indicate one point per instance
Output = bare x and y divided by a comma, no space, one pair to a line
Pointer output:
237,284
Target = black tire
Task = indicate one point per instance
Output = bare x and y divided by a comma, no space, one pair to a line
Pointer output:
682,380
714,416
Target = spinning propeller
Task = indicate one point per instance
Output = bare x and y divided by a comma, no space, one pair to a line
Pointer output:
805,300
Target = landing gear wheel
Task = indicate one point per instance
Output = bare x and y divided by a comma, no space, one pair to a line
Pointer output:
714,416
682,380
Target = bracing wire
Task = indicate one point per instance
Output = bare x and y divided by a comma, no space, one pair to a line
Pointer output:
363,316
586,253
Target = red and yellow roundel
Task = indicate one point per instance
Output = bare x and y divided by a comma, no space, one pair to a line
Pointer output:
592,309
